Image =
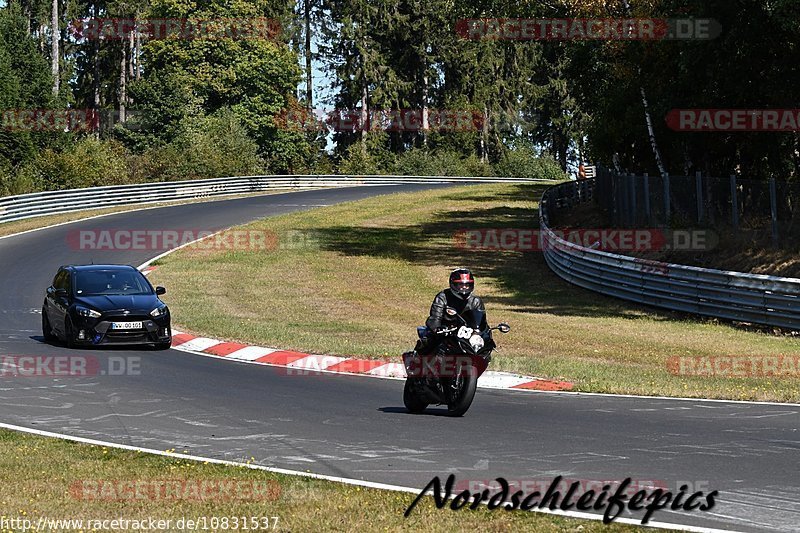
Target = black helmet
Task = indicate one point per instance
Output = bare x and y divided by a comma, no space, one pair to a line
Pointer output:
462,282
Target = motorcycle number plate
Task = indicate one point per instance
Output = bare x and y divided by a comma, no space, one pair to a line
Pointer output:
465,332
126,325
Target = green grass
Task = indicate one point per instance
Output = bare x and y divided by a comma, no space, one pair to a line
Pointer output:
370,269
40,475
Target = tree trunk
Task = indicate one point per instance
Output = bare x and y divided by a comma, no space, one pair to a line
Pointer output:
27,12
485,136
138,54
123,89
55,35
96,74
560,148
364,100
131,55
425,120
309,74
652,134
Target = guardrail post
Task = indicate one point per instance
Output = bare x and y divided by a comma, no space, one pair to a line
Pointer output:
575,196
624,199
612,194
666,199
699,189
726,295
773,201
734,203
619,201
632,186
646,182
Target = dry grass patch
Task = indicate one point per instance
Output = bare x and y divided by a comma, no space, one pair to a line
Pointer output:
369,270
39,476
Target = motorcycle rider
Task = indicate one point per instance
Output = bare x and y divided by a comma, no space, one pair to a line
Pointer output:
459,297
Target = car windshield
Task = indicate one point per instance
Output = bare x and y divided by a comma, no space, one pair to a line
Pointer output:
110,282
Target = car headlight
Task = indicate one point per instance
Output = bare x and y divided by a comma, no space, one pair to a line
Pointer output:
89,313
476,341
159,311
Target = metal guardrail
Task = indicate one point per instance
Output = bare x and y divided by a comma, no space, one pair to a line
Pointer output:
57,202
735,296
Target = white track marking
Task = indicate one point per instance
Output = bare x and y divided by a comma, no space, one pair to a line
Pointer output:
502,380
251,353
201,343
390,374
317,362
346,481
389,370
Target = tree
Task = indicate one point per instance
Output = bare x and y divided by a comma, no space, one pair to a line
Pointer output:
25,84
255,77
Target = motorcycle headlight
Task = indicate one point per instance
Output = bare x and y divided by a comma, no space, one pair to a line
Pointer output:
159,311
86,312
476,341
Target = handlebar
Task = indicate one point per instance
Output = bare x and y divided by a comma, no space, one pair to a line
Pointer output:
503,328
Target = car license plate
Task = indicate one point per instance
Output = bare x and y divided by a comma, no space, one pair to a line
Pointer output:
126,325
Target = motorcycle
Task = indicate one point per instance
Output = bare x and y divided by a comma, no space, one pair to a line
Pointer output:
450,375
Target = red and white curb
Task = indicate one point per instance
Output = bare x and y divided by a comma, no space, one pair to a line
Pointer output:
297,363
147,270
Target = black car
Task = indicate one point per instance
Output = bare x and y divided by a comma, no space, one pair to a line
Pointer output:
105,304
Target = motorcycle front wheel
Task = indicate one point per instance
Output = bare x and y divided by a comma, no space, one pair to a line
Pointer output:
412,402
463,394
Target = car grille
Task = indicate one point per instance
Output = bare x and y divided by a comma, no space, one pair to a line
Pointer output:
126,335
126,318
131,336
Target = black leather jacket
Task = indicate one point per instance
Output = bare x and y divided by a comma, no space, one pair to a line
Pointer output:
438,318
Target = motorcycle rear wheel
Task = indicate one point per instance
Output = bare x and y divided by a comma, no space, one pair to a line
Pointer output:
465,395
412,402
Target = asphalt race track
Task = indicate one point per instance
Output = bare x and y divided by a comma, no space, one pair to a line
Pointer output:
356,427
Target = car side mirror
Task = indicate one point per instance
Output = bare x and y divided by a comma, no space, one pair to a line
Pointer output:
504,328
61,293
160,291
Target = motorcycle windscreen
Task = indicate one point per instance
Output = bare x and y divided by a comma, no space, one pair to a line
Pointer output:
473,318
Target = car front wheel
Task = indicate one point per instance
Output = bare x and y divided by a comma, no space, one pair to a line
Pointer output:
69,333
47,330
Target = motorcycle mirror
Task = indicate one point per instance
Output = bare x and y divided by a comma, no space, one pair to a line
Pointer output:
504,328
450,311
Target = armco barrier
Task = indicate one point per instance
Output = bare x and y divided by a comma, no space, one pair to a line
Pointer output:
56,202
736,296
